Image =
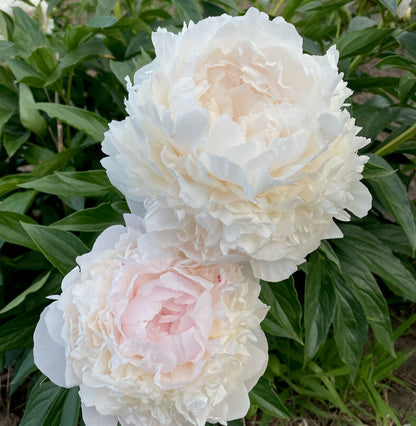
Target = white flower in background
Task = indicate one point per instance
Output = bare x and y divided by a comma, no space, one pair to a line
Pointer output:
404,10
239,145
38,11
151,337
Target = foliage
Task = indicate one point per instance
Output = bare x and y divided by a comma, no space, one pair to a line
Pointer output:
57,94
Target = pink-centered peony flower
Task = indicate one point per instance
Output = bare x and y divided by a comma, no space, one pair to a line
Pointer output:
151,337
238,144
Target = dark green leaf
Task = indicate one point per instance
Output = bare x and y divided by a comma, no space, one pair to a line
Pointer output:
407,40
269,402
4,118
38,284
319,304
81,53
42,396
12,144
350,324
73,184
390,5
25,73
11,229
71,408
396,61
86,121
407,86
367,291
188,10
379,259
91,220
18,332
29,114
18,202
354,43
392,194
26,36
374,170
102,21
12,182
59,247
23,370
285,308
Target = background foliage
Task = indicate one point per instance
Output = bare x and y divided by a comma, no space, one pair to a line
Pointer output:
332,344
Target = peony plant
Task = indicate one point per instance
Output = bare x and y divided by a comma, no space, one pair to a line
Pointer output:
245,140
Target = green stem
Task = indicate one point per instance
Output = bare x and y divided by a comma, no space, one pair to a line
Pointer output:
277,7
396,142
68,90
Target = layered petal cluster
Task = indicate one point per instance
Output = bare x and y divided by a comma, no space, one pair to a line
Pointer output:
238,144
151,337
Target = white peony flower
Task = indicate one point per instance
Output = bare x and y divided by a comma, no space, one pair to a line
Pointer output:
46,24
151,337
238,144
404,9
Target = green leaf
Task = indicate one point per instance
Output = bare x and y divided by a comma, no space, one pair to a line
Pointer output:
60,247
391,235
23,370
267,400
18,202
392,195
285,308
71,408
374,170
350,324
407,40
407,86
105,7
25,73
93,219
390,5
12,144
86,121
122,70
44,59
319,304
29,115
379,259
329,253
26,36
18,332
354,43
12,182
73,184
396,61
4,118
188,10
11,229
41,397
373,119
102,21
81,53
37,285
374,304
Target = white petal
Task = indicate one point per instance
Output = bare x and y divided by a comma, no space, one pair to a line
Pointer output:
274,271
91,417
49,355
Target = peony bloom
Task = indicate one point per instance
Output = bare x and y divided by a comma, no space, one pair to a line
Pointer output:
152,338
45,23
404,9
238,144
